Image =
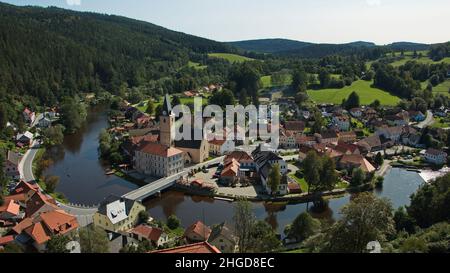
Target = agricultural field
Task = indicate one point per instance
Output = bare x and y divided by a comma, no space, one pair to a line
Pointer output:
233,58
367,94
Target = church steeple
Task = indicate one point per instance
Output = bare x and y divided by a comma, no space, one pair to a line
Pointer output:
167,107
167,123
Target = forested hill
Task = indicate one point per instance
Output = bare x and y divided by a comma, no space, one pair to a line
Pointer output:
51,52
269,45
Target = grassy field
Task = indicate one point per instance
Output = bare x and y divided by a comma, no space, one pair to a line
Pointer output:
142,106
441,123
267,82
367,94
197,66
408,56
233,58
442,88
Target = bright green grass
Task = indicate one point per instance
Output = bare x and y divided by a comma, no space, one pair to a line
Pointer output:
301,181
423,60
267,82
367,94
197,66
442,88
233,58
441,123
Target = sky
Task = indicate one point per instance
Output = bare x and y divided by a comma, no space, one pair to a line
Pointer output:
320,21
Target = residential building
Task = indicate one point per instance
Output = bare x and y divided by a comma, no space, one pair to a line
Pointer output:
11,165
392,133
295,126
223,238
347,137
327,137
197,232
370,144
436,157
154,235
220,147
44,122
230,173
416,116
197,248
118,214
28,115
303,140
288,139
342,122
244,159
24,139
350,162
356,112
158,160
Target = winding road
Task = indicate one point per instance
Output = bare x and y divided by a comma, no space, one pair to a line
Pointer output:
84,215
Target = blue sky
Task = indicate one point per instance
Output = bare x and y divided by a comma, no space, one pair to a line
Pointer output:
325,21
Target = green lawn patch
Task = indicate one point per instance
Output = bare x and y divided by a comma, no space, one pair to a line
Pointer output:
367,94
267,82
301,181
441,123
233,58
196,66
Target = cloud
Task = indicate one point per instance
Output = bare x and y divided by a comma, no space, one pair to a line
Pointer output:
373,3
73,2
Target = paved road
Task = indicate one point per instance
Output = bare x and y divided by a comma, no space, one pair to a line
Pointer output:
429,120
84,215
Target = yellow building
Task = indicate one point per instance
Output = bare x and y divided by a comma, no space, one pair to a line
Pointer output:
118,214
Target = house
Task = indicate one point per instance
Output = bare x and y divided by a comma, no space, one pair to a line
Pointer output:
392,133
328,137
287,139
220,147
230,172
347,137
223,238
303,140
350,162
400,118
370,113
356,112
296,126
303,152
264,174
42,226
244,159
10,211
28,115
416,116
370,144
44,122
158,160
294,187
154,235
197,248
347,149
117,214
197,232
24,139
262,157
11,165
436,157
341,122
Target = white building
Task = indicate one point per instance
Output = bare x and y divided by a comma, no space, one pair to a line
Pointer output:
436,157
158,160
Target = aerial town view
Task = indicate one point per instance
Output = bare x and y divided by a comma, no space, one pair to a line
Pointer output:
278,127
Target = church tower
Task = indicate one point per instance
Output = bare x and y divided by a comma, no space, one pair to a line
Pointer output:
167,124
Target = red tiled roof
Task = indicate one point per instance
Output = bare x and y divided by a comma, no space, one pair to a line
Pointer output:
25,223
294,125
148,232
198,248
359,161
231,168
239,156
6,240
25,187
159,149
59,222
37,201
199,229
38,233
11,207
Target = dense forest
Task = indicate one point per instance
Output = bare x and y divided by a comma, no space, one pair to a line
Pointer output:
49,53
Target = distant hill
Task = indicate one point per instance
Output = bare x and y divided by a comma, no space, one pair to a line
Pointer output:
408,46
269,45
311,50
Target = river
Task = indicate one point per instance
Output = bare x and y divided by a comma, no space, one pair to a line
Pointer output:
82,180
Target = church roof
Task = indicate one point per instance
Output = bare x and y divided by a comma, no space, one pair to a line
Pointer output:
167,107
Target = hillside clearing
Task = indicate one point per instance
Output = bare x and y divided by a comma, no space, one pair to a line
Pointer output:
233,58
367,94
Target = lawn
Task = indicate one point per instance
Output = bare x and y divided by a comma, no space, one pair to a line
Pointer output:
197,66
367,94
441,123
233,58
142,106
424,60
301,181
442,88
267,82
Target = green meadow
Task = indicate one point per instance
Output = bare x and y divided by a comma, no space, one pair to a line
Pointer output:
367,94
233,58
197,66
